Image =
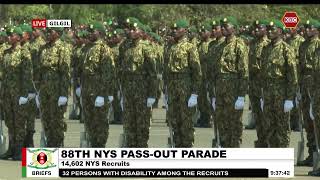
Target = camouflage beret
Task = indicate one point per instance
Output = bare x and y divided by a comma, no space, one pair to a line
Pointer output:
118,31
261,22
108,22
312,23
182,23
3,33
206,27
82,33
229,20
193,29
276,23
15,30
97,26
155,36
132,20
26,28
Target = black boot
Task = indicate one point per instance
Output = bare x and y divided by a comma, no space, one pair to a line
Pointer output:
314,173
307,162
7,155
17,155
29,139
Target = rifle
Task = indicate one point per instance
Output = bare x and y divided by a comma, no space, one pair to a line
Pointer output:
316,155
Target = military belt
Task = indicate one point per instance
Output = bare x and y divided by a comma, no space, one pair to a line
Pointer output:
179,75
228,76
134,76
274,81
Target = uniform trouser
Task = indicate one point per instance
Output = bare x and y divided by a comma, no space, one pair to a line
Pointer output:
15,120
204,105
278,120
96,119
308,124
116,106
136,114
179,113
261,124
159,90
32,112
52,116
294,116
228,120
316,112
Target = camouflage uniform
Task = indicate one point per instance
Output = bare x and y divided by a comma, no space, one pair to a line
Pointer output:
32,108
230,75
54,82
183,77
16,82
204,105
255,61
75,61
279,81
97,79
117,94
138,80
309,71
295,43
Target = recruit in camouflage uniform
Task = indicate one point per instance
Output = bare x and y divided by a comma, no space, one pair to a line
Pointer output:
309,77
279,83
97,86
16,77
203,48
3,46
32,108
230,70
255,89
183,77
114,42
295,41
75,82
212,57
139,83
54,83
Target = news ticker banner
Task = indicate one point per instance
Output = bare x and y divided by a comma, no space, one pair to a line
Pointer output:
158,162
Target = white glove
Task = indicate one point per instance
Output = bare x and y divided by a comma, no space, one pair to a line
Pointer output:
213,103
78,91
110,98
22,101
62,101
150,101
192,100
99,101
239,103
37,101
288,105
31,96
261,104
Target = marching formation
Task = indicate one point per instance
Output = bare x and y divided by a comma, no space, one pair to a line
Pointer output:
123,68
